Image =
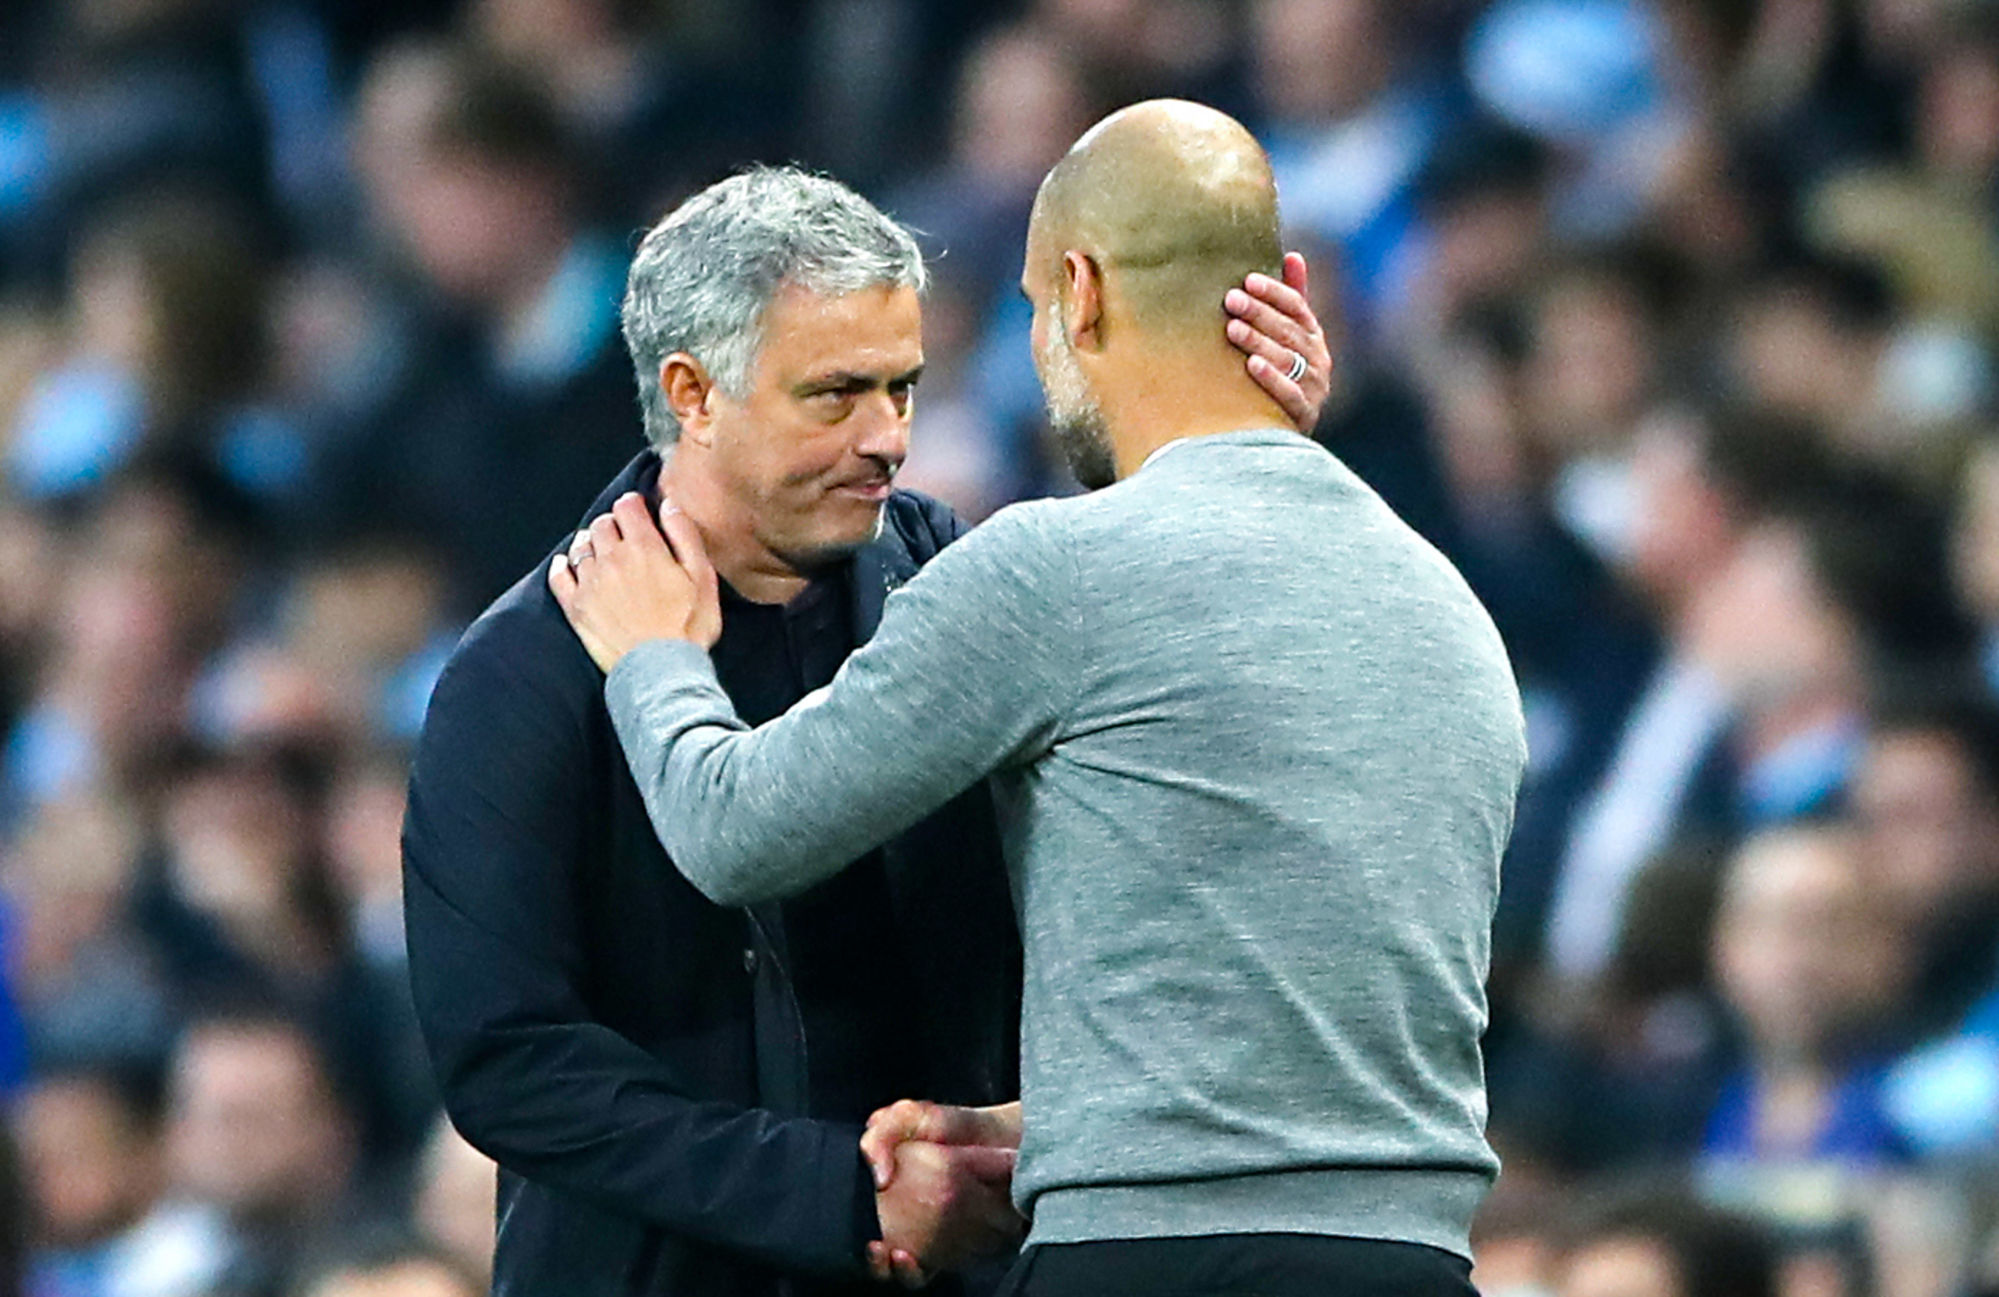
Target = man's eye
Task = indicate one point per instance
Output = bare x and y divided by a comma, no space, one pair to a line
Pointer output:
832,405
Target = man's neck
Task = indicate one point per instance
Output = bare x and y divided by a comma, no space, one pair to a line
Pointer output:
751,570
1182,396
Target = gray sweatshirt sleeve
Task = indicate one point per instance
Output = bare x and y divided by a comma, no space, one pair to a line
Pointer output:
968,672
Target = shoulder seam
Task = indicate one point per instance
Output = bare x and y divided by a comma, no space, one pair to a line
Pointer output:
1054,524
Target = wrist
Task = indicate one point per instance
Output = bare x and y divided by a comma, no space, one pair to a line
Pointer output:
1003,1124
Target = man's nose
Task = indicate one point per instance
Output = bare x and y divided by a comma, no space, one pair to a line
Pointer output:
884,429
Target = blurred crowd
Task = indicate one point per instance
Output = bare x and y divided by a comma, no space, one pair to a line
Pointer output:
1671,322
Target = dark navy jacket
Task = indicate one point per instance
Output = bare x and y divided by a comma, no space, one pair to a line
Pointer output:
631,1054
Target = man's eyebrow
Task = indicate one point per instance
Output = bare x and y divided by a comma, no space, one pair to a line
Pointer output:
845,380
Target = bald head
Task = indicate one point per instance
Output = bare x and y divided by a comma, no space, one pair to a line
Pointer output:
1176,204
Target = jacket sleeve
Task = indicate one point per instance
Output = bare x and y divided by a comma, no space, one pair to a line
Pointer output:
494,830
972,669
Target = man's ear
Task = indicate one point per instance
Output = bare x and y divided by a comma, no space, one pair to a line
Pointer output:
688,389
1083,304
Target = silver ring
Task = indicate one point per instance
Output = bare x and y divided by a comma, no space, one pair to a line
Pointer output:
1298,366
580,548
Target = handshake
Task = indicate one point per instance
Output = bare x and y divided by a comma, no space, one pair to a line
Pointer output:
943,1179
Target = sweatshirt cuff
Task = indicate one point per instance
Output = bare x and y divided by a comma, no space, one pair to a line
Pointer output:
657,661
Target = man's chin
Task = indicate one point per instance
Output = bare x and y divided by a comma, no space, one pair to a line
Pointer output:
818,557
1087,450
1093,474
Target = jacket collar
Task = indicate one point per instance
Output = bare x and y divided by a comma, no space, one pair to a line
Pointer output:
641,475
879,567
882,565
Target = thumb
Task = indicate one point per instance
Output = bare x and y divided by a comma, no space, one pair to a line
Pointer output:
685,539
940,1123
983,1162
878,1147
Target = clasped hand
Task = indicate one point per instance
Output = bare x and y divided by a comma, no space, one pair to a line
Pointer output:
625,580
943,1177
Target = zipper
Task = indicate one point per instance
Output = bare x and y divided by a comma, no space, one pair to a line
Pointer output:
803,1071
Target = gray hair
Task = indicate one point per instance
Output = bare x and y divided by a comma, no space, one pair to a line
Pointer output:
704,276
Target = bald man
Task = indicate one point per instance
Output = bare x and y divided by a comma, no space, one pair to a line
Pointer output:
1255,746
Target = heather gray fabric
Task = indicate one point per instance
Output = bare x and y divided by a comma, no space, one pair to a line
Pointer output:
1255,747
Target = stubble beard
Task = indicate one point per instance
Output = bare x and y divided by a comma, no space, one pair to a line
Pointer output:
1076,420
809,560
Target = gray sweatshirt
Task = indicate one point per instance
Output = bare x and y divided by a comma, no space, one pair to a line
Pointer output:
1255,748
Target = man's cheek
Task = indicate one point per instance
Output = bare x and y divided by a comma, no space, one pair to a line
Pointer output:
817,475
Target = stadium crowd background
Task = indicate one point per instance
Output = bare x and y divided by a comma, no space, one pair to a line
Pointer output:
1670,322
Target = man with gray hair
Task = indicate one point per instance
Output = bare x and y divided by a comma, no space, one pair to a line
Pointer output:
675,1090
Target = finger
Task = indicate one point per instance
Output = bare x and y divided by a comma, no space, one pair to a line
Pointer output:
1260,326
903,1114
1290,376
1297,275
888,1128
939,1123
936,1122
1305,335
1318,382
1282,297
634,519
685,539
878,1147
605,536
692,551
1282,390
879,1266
562,582
909,1271
1252,343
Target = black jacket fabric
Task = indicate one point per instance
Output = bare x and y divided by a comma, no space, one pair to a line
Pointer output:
631,1054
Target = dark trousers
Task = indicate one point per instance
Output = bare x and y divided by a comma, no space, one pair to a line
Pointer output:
1239,1265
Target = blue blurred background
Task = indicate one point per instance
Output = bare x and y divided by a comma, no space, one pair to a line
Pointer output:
1670,321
